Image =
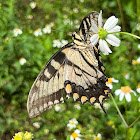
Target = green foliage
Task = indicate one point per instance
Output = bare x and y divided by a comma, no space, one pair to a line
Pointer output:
16,79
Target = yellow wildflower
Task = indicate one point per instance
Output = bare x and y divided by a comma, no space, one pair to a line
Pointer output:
28,135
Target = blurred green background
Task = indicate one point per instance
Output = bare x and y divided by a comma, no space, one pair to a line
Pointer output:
23,56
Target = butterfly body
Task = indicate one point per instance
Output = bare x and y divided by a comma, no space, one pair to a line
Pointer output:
74,71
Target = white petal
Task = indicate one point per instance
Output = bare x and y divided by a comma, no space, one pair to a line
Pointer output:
138,90
71,137
115,29
138,60
114,80
16,34
110,86
94,39
139,99
70,126
99,135
118,91
121,96
128,97
104,47
110,23
100,19
77,138
94,27
133,92
77,131
113,40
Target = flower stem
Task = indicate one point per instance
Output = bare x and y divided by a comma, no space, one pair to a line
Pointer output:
119,111
126,33
134,122
121,12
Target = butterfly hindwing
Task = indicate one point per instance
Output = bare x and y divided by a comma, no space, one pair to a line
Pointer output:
48,88
83,80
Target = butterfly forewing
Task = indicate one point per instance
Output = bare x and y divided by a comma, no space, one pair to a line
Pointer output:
85,27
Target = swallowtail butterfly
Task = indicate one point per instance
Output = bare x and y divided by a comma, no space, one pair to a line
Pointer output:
74,71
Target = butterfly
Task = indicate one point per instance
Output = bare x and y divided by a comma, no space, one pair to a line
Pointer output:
74,71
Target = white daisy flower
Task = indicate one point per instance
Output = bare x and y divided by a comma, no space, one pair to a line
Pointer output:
126,75
77,106
22,61
134,62
138,60
17,31
36,125
139,99
75,135
110,81
76,21
125,92
139,46
46,131
97,105
57,43
57,108
75,10
67,21
72,123
64,42
138,27
121,59
51,24
98,137
106,105
138,88
38,32
82,1
47,29
101,34
33,5
85,10
29,16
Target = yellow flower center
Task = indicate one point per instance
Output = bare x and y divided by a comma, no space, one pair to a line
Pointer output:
27,135
110,80
97,138
109,122
102,33
17,137
38,30
126,89
72,122
138,85
21,58
134,62
74,135
16,29
125,74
